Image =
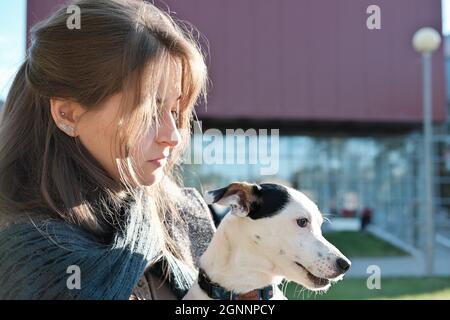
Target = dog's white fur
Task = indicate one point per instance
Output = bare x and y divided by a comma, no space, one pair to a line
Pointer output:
246,254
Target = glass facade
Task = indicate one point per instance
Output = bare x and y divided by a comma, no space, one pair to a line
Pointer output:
344,175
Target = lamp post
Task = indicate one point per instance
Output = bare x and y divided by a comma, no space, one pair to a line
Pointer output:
426,41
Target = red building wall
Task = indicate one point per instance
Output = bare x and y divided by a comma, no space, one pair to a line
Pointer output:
311,60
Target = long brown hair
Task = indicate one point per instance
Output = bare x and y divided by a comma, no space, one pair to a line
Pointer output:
121,45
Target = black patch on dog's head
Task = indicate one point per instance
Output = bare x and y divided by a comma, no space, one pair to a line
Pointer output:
272,199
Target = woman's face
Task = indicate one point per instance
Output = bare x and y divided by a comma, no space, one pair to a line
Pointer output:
96,130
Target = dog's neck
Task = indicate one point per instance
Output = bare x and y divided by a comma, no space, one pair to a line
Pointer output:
235,263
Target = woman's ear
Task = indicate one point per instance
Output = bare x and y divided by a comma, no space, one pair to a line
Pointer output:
66,114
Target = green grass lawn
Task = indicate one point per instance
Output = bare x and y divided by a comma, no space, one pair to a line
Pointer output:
362,244
391,288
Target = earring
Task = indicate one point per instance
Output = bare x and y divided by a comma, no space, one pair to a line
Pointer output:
66,128
63,113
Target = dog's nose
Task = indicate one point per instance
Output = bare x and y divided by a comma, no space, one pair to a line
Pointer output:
343,264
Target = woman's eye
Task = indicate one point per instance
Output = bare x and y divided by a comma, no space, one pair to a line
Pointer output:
302,222
175,114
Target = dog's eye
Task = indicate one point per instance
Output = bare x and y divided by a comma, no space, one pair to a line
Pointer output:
302,222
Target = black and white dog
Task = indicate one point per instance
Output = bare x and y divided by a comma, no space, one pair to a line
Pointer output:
272,233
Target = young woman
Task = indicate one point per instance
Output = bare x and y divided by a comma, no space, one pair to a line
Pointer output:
91,136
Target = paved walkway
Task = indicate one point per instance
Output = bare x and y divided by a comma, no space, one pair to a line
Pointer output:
403,266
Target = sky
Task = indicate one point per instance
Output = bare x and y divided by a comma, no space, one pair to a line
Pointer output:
446,17
13,31
12,41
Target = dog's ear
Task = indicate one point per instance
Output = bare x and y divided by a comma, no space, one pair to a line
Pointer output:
213,196
242,197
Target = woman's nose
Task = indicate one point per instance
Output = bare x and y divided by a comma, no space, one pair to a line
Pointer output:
168,133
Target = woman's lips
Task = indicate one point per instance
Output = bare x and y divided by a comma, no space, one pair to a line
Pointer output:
158,162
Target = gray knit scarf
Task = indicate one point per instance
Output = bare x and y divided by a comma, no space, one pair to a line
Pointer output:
36,260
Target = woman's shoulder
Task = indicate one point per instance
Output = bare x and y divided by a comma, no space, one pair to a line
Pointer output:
13,225
8,221
195,208
199,222
194,197
29,251
26,248
24,228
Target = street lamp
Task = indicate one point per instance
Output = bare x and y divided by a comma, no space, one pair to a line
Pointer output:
425,41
